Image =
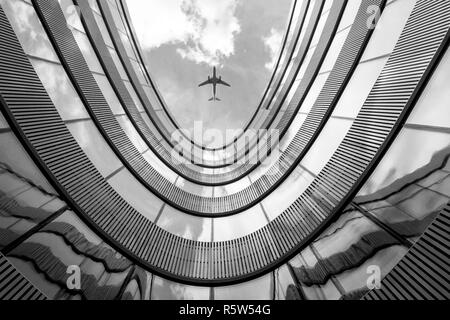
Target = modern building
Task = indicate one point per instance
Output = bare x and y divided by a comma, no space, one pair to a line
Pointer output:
353,205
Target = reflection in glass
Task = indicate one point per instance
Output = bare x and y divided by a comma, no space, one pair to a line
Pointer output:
286,194
95,147
132,133
401,199
109,94
259,289
163,289
44,259
60,90
28,28
437,95
412,185
20,162
185,226
23,205
88,52
326,144
359,87
237,226
139,197
394,18
285,285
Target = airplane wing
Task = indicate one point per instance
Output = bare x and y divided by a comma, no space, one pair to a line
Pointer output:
223,83
205,83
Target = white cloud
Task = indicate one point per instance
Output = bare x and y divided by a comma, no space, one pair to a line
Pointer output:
273,44
205,29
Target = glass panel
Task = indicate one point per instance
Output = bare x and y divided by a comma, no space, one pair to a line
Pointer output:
28,29
307,21
326,144
22,205
350,14
127,45
433,106
290,95
386,259
305,261
349,247
314,92
184,225
320,26
167,290
103,30
327,6
168,125
109,94
237,226
60,89
412,150
285,287
116,16
15,156
71,14
150,124
95,147
335,49
292,131
94,6
139,288
12,184
151,96
286,194
133,95
196,189
348,237
88,52
359,87
138,71
132,133
118,64
3,123
46,256
394,19
305,64
259,289
233,188
157,164
139,197
412,184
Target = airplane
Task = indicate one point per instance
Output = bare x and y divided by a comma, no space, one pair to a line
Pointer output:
214,81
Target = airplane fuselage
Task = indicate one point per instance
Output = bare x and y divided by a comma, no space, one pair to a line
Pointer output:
214,81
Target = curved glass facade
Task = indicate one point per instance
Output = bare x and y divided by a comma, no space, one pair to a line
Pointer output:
91,179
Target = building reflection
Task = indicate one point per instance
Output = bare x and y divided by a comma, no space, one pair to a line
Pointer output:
376,229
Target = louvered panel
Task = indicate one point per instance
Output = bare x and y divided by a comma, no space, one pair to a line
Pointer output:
424,272
316,10
14,286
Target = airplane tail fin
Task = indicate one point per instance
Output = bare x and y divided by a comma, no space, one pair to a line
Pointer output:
214,99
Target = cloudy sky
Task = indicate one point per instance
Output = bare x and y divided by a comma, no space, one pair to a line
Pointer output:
183,39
